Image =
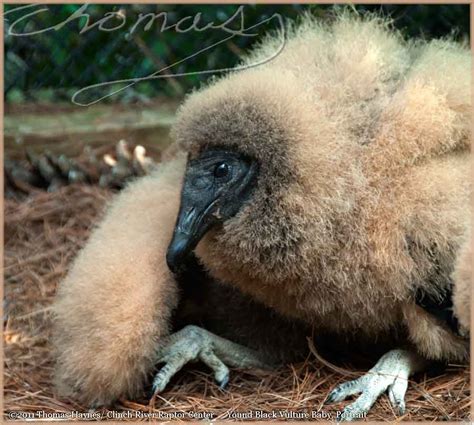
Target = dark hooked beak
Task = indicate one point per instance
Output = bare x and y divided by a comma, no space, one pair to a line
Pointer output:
192,224
216,184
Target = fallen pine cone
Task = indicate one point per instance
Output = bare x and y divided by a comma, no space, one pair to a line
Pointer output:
49,171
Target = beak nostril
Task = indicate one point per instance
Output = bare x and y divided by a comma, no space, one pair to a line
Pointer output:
188,221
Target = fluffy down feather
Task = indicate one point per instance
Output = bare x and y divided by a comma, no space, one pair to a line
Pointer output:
117,299
362,197
462,286
362,140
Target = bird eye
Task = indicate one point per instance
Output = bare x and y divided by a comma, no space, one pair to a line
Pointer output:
221,170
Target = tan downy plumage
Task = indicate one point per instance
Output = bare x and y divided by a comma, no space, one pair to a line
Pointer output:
117,299
362,199
463,286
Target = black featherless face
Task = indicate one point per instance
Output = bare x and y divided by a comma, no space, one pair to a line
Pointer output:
217,184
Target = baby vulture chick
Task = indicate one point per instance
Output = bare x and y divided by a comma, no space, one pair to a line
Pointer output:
329,184
332,184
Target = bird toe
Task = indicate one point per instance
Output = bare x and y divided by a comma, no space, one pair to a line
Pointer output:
390,374
189,344
344,390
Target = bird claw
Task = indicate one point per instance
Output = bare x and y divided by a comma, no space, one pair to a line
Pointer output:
189,344
390,374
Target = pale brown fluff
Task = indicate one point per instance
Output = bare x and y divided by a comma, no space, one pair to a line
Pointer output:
363,192
462,277
362,197
117,298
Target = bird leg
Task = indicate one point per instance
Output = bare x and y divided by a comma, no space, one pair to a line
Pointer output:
194,343
390,373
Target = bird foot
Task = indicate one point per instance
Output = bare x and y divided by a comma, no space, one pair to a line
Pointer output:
390,374
193,343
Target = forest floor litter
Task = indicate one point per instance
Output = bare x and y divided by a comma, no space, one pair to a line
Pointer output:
44,231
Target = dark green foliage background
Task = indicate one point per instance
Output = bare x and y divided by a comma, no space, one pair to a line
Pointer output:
50,66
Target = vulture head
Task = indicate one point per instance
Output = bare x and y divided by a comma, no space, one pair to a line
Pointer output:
265,169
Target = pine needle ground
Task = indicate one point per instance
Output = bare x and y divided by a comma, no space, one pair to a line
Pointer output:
44,231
